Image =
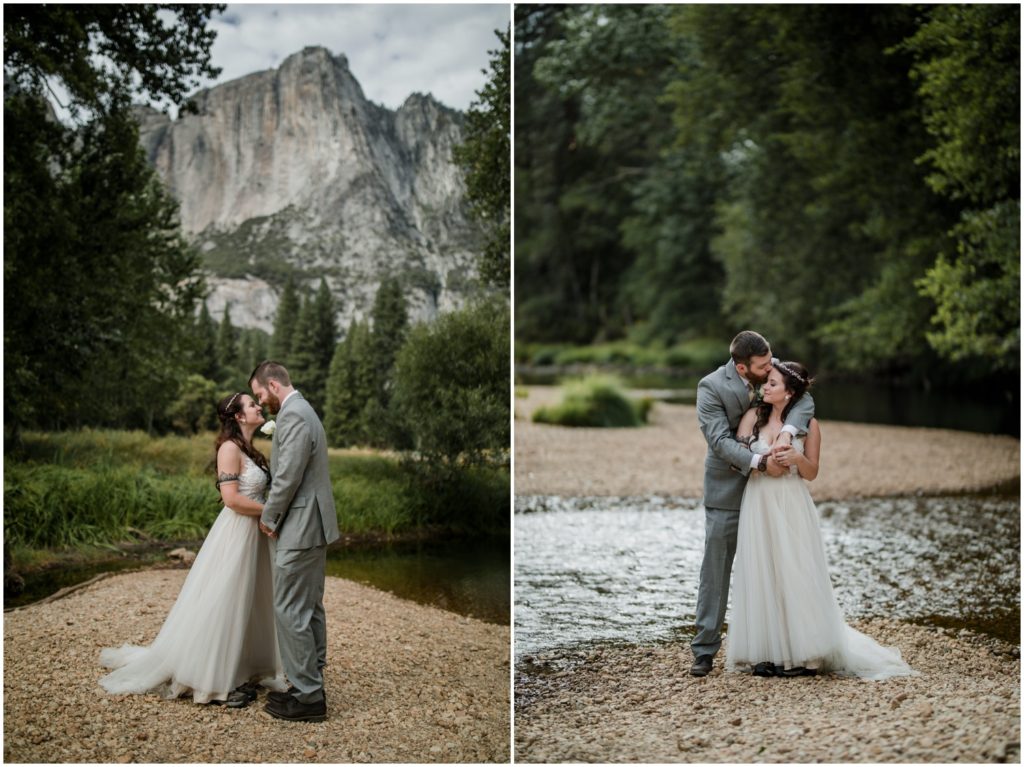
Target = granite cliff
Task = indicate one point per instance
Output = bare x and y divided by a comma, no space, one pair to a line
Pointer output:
293,170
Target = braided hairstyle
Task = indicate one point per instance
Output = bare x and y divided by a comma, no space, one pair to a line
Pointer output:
797,381
230,431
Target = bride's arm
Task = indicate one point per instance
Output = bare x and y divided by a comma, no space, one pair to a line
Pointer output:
807,463
229,469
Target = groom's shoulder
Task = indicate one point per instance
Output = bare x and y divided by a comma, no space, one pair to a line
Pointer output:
715,377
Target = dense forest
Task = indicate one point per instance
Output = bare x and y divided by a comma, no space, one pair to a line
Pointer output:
845,179
105,323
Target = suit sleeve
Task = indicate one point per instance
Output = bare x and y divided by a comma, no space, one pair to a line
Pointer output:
714,424
294,446
801,414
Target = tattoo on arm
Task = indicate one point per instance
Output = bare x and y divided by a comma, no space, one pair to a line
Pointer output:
223,477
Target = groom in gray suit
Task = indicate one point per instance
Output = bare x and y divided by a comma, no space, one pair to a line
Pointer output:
722,399
300,519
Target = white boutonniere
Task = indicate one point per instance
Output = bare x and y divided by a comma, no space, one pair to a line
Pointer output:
268,428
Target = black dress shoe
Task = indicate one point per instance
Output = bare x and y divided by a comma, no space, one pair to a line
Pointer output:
702,665
293,711
243,695
289,693
766,669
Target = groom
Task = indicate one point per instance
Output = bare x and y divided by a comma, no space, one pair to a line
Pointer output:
299,516
722,399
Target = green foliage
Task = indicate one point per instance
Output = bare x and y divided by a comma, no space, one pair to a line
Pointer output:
829,176
350,386
106,286
227,342
699,354
485,157
195,410
452,386
103,487
316,334
204,345
287,316
595,401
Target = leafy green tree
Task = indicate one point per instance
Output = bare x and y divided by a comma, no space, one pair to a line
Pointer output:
967,68
485,157
195,409
285,321
106,285
452,386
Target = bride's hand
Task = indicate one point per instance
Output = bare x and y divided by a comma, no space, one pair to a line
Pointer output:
784,455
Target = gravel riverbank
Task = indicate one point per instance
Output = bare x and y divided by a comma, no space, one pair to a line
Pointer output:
638,703
405,683
666,457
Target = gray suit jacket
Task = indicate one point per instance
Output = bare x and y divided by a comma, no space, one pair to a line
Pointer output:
300,502
722,400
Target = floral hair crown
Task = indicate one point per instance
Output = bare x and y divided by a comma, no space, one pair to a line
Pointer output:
792,372
231,402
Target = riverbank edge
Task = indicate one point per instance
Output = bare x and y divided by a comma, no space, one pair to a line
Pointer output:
629,702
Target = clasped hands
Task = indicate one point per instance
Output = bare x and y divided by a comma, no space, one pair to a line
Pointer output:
267,531
781,457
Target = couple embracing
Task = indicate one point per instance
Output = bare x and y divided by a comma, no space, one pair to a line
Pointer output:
758,511
251,608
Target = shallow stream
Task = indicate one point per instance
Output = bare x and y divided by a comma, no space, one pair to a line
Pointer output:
605,569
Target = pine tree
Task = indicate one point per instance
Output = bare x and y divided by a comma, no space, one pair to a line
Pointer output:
285,320
227,344
390,323
349,388
205,349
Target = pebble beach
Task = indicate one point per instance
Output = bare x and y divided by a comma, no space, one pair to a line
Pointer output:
405,683
636,702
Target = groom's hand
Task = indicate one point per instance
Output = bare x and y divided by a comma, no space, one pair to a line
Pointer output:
775,469
267,530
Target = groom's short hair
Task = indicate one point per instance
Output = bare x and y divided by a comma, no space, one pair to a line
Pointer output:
268,370
748,344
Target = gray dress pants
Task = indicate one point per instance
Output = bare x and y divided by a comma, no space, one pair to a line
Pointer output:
720,528
300,618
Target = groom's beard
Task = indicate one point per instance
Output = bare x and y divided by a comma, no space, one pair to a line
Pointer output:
273,403
754,379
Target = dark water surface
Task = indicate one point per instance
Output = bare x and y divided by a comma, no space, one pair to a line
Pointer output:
604,569
470,577
982,409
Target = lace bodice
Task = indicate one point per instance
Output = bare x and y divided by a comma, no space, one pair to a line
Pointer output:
252,482
761,447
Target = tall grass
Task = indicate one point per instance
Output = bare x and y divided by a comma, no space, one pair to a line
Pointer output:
595,401
100,487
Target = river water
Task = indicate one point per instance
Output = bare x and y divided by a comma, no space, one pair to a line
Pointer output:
627,570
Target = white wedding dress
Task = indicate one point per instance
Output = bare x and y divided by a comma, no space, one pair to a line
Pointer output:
220,632
784,611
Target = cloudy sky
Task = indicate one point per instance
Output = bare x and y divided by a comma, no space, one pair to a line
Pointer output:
393,50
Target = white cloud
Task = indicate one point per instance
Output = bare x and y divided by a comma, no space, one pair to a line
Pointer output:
392,50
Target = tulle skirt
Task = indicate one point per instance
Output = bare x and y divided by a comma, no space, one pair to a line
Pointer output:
784,610
220,631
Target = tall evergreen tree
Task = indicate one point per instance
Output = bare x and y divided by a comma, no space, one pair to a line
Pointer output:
205,338
227,344
390,324
285,320
314,342
350,386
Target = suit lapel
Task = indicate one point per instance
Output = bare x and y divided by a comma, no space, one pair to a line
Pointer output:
737,386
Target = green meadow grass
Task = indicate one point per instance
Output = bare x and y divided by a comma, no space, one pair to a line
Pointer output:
87,488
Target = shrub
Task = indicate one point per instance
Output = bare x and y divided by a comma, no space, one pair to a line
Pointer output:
595,401
452,385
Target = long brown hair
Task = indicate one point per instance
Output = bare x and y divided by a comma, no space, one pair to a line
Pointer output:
797,381
230,431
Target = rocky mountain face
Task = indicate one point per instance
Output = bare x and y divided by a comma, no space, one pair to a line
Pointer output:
294,171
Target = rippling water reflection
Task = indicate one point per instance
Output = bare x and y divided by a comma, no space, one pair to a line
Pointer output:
591,569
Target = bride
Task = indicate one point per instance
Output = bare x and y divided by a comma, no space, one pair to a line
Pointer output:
219,638
785,618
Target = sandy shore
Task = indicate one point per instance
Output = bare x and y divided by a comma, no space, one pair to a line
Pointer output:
639,704
405,683
666,457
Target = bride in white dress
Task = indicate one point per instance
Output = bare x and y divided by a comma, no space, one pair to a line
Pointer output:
219,636
785,619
